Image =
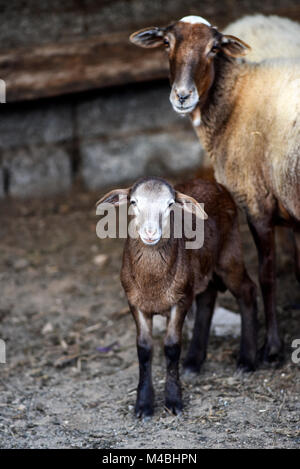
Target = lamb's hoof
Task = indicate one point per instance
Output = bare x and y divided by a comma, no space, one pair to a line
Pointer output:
174,405
144,411
191,366
247,362
272,353
246,366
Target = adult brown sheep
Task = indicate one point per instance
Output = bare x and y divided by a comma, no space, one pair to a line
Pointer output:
247,116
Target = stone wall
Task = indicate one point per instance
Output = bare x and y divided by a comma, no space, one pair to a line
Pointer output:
103,138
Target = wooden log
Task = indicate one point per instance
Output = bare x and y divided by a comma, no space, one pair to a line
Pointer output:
91,63
97,62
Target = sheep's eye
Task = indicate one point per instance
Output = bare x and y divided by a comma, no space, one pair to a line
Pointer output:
166,42
132,202
214,49
170,204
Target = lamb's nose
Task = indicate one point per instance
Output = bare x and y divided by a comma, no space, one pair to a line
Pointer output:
150,232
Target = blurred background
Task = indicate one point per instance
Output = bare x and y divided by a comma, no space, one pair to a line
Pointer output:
83,104
86,110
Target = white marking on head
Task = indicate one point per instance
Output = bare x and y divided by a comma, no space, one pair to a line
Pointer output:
151,200
195,20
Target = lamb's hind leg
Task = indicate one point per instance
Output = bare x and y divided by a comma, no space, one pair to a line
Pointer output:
244,290
263,235
233,273
197,350
246,298
172,347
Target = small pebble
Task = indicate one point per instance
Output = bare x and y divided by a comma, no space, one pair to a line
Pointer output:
100,260
47,328
20,264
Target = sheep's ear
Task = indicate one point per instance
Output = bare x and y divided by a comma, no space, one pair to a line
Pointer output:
190,204
149,37
115,197
233,46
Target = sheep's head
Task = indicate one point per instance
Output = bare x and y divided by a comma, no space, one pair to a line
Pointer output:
151,201
192,44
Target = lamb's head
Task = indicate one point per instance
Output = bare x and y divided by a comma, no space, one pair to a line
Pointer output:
151,201
192,45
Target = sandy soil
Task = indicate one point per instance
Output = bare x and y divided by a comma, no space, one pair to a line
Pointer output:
59,303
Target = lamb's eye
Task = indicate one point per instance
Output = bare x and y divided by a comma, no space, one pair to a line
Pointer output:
166,42
214,49
170,204
133,202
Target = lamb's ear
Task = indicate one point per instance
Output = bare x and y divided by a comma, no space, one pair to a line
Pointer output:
115,197
190,204
149,37
233,46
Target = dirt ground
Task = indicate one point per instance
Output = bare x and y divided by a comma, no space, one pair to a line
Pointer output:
71,369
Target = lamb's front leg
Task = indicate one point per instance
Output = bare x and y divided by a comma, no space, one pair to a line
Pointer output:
144,406
172,347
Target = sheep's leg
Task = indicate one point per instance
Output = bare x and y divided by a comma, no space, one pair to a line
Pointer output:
145,395
197,350
297,252
246,298
244,290
172,348
263,234
232,271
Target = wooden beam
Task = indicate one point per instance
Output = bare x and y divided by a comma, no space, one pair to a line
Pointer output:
86,64
97,62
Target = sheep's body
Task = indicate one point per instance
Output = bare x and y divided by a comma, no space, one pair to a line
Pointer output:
269,36
251,129
255,145
270,130
163,277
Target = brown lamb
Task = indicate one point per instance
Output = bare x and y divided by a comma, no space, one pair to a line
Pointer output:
161,276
